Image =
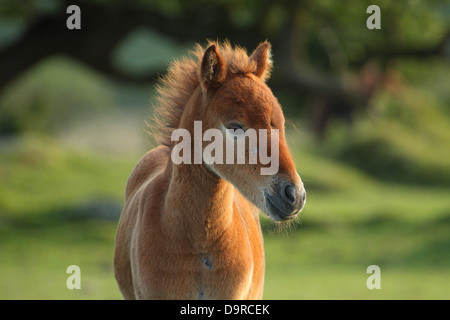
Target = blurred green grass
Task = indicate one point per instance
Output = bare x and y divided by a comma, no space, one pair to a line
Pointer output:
350,222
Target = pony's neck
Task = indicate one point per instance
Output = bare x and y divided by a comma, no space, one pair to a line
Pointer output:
199,203
198,206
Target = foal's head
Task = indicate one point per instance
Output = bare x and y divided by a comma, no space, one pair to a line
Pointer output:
236,99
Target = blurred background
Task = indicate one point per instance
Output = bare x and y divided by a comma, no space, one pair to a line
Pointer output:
369,127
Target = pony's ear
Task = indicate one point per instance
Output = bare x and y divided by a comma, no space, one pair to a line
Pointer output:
262,57
213,71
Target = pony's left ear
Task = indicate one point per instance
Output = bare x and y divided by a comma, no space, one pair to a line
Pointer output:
262,56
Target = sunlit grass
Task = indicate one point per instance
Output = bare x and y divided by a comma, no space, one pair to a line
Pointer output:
39,175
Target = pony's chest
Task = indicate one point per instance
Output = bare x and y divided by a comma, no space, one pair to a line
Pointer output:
211,276
226,268
230,273
225,277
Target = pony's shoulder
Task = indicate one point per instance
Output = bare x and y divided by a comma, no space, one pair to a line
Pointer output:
151,163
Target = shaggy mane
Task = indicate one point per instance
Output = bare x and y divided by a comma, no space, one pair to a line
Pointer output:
176,87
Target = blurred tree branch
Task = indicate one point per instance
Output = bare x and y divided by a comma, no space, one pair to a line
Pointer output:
439,49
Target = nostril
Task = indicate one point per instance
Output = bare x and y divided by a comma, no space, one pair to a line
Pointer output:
289,192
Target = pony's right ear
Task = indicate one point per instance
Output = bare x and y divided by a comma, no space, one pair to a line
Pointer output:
213,71
262,57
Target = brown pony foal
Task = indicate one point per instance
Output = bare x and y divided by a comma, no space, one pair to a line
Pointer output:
192,231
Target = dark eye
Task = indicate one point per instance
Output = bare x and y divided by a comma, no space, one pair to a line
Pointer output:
235,126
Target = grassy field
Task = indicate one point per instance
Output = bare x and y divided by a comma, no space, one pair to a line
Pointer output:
59,206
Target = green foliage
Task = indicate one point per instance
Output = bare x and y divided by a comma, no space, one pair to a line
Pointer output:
405,141
51,95
25,10
137,53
